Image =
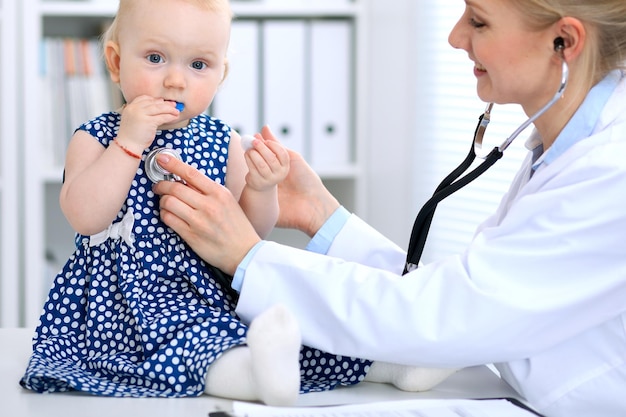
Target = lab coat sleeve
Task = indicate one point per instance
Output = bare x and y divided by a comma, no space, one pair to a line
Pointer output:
361,243
551,268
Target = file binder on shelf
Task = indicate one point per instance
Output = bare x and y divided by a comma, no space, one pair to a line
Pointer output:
237,100
330,92
294,75
284,93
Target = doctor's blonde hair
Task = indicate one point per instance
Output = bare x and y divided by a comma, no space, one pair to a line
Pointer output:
605,21
126,6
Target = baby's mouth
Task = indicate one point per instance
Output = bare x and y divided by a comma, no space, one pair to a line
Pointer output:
479,67
179,106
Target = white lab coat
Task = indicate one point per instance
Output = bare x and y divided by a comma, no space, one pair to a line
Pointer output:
541,290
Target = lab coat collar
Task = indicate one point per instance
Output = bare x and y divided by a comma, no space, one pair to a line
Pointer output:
581,125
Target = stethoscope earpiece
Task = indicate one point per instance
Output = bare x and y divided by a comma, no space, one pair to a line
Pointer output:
559,44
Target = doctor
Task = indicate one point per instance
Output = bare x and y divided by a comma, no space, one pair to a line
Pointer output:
541,289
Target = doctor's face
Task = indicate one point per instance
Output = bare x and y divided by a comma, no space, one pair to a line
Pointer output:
512,62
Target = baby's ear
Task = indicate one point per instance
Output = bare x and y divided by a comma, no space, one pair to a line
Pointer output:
112,59
226,68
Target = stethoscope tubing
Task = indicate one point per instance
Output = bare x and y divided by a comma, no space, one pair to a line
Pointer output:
453,183
555,98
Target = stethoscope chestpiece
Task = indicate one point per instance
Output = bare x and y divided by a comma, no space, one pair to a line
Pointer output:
156,172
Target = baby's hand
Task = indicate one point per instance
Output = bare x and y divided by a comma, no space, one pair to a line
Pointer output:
267,160
140,120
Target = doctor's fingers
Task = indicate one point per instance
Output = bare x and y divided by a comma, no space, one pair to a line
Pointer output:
178,206
202,241
199,193
187,202
188,211
215,226
190,175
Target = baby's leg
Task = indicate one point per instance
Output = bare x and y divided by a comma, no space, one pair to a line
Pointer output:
267,369
407,378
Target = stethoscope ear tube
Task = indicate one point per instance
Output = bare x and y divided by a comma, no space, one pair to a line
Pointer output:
451,183
447,187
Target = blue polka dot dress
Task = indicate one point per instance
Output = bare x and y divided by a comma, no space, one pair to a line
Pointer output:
135,312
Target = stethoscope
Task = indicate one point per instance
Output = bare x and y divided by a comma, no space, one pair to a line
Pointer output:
453,183
156,172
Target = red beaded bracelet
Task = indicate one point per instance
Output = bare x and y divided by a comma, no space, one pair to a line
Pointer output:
126,150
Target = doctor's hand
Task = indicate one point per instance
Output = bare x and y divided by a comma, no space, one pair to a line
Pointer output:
205,215
305,203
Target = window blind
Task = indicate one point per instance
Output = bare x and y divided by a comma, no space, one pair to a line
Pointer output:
448,110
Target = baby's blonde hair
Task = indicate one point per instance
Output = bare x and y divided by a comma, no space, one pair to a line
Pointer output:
605,21
126,6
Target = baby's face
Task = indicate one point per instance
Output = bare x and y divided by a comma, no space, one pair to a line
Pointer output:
174,50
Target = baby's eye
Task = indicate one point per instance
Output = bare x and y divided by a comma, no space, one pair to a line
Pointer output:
155,58
198,65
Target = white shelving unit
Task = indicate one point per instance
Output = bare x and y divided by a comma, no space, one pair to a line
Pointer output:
9,139
46,233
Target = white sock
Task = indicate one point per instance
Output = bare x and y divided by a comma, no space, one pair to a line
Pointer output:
274,341
407,378
266,370
230,376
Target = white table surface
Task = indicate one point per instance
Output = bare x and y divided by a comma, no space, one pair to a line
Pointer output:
15,349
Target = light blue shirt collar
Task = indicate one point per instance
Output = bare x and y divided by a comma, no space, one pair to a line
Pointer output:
581,124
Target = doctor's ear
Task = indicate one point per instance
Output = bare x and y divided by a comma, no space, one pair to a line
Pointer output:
571,37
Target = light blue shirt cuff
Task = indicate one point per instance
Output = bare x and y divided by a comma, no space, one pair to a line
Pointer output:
324,237
320,243
241,268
